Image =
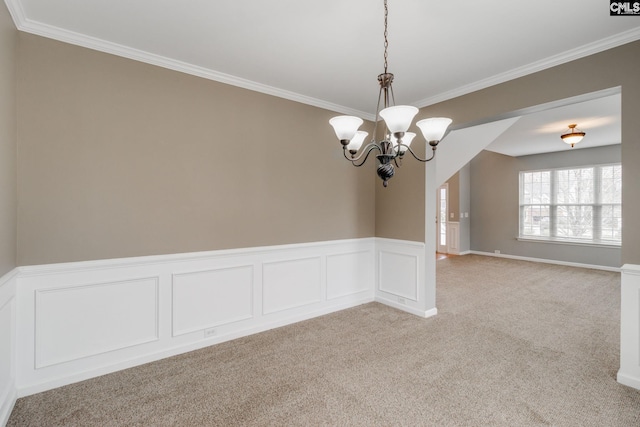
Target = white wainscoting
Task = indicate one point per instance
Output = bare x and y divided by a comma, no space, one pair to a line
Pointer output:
206,299
453,234
79,320
290,283
629,373
8,394
401,276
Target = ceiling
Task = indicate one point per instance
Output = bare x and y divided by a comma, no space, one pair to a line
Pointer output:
328,53
539,132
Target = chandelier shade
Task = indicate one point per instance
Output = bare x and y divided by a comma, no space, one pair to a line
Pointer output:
395,141
399,117
346,126
573,136
433,129
406,142
357,141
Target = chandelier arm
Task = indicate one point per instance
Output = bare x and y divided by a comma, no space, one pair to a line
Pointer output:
365,152
415,156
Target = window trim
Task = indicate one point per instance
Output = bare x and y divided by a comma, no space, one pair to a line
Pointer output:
596,206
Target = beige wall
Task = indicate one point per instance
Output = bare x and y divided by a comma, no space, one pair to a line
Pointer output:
118,158
8,37
495,205
616,67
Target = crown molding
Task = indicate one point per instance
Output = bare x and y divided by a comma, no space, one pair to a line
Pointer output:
552,61
40,29
29,26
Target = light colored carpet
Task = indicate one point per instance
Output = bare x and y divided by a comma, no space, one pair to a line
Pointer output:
514,344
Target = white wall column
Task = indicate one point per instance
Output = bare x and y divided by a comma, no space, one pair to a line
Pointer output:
629,373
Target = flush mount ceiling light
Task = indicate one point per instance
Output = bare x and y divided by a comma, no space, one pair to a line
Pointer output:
396,140
573,136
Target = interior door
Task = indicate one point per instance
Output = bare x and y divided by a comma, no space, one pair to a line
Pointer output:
441,218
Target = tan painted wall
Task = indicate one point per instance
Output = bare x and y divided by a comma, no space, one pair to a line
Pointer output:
118,158
495,205
616,67
8,201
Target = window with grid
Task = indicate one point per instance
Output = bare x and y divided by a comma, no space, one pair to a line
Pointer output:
576,205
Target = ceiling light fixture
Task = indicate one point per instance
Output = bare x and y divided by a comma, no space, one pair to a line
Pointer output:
396,140
573,136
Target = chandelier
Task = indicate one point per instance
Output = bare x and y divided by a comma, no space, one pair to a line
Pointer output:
396,141
573,136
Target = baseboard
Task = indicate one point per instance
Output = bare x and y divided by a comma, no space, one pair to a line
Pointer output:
548,261
402,307
629,381
458,253
7,402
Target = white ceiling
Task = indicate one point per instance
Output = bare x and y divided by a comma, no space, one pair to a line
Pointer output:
539,132
328,53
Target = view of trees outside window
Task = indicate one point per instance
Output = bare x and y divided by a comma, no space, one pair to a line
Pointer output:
578,204
535,203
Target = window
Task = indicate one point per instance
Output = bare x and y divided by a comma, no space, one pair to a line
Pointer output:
574,205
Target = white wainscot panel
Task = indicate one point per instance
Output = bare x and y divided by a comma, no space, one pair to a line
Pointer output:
7,348
80,321
204,299
348,274
629,373
454,238
399,274
289,284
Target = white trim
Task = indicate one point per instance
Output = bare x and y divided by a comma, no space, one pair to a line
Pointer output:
56,33
384,240
631,269
549,261
629,372
628,380
7,402
552,61
67,267
8,277
8,391
556,241
411,310
25,24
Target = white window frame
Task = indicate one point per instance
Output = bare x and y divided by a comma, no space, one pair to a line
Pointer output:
596,206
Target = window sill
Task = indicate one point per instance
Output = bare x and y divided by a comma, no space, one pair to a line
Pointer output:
570,242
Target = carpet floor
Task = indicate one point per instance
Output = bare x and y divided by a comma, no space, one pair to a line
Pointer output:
514,344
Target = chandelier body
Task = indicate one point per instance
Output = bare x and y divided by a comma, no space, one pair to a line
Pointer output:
396,139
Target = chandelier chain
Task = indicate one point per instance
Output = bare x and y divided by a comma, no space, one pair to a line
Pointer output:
386,41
